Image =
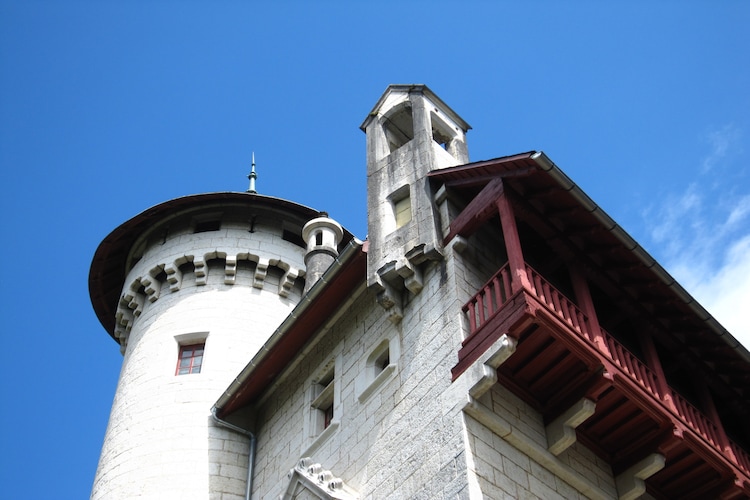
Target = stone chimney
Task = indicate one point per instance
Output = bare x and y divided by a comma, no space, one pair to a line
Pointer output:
322,236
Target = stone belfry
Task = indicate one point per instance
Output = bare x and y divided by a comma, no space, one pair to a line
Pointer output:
410,132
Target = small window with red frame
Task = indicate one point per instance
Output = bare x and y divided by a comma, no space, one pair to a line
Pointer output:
190,359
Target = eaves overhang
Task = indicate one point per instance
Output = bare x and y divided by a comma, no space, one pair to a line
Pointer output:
109,265
320,303
522,168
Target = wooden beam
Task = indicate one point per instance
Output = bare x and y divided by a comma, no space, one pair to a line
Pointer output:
481,208
606,277
519,277
478,180
707,402
654,363
586,303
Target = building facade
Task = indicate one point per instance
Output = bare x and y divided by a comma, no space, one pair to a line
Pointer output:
496,336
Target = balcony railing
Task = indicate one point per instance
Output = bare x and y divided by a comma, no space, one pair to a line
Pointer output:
696,420
489,300
559,304
633,366
486,303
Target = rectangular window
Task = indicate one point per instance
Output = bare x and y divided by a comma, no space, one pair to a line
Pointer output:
323,403
207,225
190,359
402,209
328,416
380,366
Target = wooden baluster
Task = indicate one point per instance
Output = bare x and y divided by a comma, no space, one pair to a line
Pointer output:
575,321
546,293
557,302
498,294
629,363
472,317
585,328
566,305
506,284
480,308
487,294
620,356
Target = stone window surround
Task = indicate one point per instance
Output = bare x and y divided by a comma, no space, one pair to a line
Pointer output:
374,375
400,201
315,430
190,340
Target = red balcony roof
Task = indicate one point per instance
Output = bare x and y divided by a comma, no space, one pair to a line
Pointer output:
543,188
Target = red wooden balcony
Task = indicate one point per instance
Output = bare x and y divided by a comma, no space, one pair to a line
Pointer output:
560,358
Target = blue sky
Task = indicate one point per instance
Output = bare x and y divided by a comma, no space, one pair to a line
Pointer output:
107,108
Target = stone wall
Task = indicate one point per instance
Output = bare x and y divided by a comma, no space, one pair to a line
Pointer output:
230,288
402,439
521,467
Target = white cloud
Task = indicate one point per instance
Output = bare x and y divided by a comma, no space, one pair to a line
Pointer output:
702,236
722,143
724,291
740,212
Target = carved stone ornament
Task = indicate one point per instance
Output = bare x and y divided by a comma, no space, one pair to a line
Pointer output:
309,481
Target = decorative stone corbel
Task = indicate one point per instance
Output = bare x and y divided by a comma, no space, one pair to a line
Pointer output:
134,300
287,282
151,285
390,300
411,275
201,271
261,269
459,244
124,344
174,275
631,483
230,269
483,372
123,324
561,432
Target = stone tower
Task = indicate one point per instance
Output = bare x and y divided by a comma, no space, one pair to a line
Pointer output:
410,132
191,289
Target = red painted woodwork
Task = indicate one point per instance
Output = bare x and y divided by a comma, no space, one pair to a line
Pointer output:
190,359
583,294
481,208
652,358
519,278
558,360
563,353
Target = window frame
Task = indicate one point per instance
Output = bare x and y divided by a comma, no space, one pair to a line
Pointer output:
192,348
376,371
323,404
323,410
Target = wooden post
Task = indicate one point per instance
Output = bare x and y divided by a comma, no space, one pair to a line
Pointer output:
654,363
707,403
519,277
586,303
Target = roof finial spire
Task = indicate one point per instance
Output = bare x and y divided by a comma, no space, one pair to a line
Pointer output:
252,176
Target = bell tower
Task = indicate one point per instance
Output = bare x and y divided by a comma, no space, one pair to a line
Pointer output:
410,132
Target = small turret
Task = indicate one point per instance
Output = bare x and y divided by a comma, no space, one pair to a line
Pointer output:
322,236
